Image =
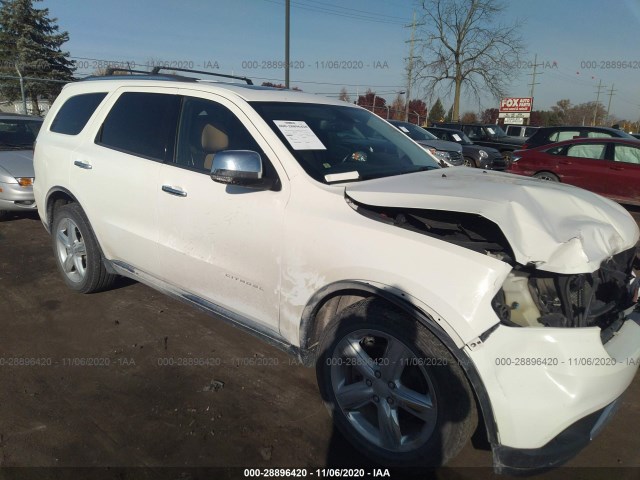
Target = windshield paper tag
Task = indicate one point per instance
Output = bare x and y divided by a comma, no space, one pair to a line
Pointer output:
341,177
299,135
456,137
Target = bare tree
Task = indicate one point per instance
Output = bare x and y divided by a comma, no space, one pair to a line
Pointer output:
344,95
462,45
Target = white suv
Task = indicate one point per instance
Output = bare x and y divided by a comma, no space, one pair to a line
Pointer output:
425,297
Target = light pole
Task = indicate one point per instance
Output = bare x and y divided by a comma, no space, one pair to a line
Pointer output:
287,16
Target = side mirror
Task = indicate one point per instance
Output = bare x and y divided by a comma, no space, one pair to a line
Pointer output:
238,167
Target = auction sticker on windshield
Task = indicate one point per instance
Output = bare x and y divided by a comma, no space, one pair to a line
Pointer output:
456,137
299,135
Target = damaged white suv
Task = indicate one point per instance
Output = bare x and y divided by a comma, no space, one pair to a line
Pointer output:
426,298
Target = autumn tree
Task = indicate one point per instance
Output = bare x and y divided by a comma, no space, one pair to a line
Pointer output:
397,108
367,101
344,95
437,112
469,117
464,47
490,115
417,112
32,48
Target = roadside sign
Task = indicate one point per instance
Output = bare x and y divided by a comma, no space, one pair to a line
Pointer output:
516,104
514,121
514,115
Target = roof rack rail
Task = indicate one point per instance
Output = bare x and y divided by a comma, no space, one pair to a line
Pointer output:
156,70
111,70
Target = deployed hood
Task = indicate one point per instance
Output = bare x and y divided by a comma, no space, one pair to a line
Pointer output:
17,163
556,227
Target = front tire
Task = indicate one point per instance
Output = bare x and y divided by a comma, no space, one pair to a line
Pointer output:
77,253
394,390
470,162
548,176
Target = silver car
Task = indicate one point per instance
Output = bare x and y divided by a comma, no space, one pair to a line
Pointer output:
17,136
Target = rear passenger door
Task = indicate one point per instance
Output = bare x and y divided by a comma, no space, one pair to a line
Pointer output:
625,173
221,244
115,172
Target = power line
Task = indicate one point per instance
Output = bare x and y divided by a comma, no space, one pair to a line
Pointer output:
595,107
611,94
533,80
369,18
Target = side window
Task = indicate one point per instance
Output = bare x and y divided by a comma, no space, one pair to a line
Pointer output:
563,135
626,154
75,113
557,150
474,133
142,124
590,150
598,135
207,128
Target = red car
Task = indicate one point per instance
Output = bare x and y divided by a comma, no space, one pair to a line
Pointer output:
607,166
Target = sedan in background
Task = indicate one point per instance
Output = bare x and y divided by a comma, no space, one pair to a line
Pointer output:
474,155
547,135
448,153
17,136
607,166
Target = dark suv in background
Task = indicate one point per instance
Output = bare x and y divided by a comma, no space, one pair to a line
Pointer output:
488,135
474,155
548,135
445,151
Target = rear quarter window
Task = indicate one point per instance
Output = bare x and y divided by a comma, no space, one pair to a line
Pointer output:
76,112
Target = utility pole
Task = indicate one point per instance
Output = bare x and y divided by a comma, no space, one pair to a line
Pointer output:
533,79
611,94
287,16
595,108
24,99
410,68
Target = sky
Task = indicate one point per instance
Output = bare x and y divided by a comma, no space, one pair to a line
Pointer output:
357,44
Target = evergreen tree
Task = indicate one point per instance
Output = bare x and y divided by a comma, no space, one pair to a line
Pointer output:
449,116
437,112
30,45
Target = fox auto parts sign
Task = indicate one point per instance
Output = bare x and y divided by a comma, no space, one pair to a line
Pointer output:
516,104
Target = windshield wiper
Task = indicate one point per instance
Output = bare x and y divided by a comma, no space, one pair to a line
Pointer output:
12,146
393,174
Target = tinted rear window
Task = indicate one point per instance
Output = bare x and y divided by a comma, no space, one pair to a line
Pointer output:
75,113
142,124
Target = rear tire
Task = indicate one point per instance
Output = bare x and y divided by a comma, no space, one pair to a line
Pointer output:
77,253
550,177
393,389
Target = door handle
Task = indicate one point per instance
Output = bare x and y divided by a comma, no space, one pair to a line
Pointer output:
564,162
616,168
86,166
174,191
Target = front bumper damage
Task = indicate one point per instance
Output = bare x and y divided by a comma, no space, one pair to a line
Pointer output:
553,389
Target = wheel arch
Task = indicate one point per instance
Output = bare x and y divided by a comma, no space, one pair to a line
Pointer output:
56,197
333,298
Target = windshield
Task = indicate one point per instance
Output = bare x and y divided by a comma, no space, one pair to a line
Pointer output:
413,131
459,137
495,130
342,143
18,133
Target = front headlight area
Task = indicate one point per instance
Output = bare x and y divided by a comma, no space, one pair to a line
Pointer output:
534,298
440,155
483,154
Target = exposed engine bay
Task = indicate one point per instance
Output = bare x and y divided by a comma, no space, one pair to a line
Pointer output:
529,297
